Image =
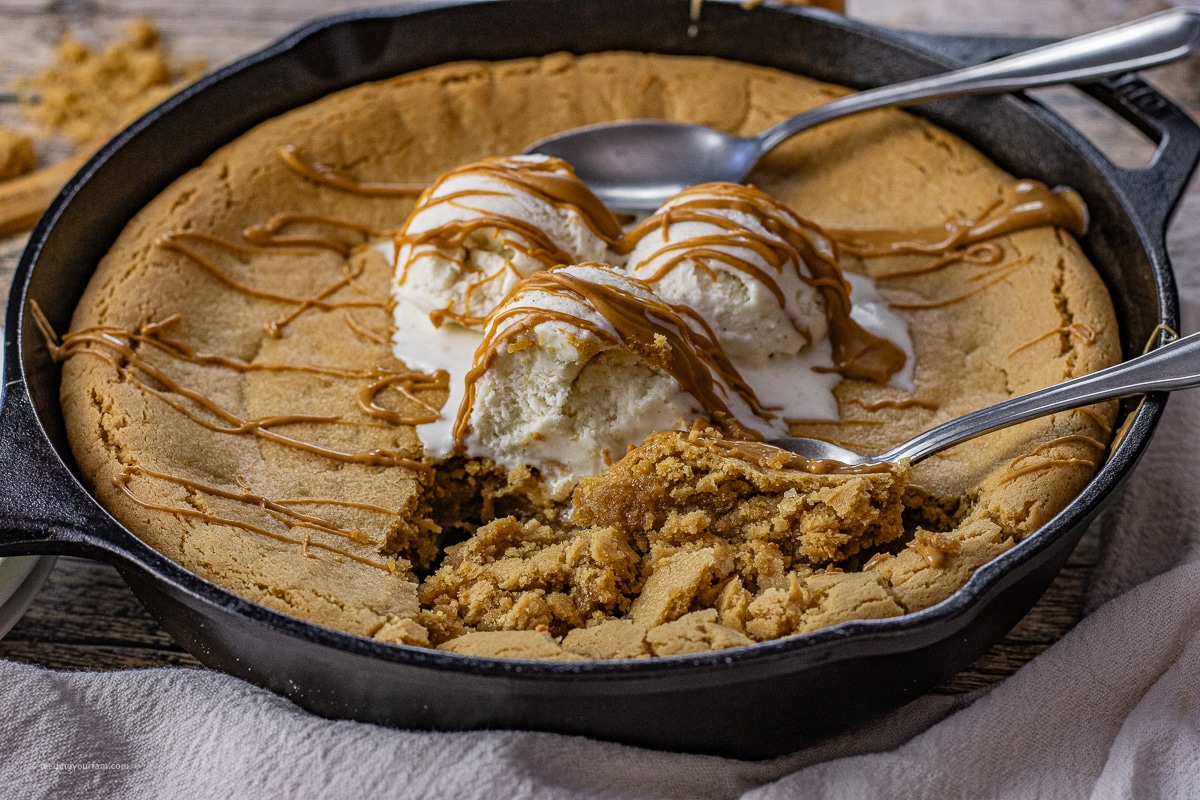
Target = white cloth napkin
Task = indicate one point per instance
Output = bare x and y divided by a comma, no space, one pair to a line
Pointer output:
1112,710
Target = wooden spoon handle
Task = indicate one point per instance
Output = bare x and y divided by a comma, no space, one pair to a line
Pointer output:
23,199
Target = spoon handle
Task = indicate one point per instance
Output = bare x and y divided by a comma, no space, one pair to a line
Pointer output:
1148,42
1170,367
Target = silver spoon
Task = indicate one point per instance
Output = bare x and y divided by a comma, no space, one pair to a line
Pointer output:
1170,367
638,165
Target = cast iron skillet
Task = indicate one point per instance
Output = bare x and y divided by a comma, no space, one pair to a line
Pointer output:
752,702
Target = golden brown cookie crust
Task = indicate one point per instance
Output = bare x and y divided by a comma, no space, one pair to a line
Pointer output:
1044,316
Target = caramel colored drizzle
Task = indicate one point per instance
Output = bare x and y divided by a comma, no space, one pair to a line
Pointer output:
406,384
933,547
1025,204
1000,276
691,357
789,244
804,421
328,176
874,561
116,346
1096,418
768,456
551,181
277,510
1044,446
320,501
270,233
363,331
1013,474
1015,471
934,556
987,254
1080,330
898,403
123,349
351,270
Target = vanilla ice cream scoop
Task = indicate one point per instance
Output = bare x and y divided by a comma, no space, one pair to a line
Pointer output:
767,282
732,253
582,361
482,227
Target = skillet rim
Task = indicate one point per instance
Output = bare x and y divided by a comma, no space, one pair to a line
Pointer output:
898,634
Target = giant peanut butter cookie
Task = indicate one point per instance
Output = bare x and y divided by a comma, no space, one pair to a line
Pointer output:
232,397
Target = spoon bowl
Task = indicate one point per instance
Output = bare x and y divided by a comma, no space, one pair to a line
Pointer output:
638,165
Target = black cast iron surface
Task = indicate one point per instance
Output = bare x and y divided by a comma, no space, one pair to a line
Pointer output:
752,702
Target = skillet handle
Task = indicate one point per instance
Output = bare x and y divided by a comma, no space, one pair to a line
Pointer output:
1153,191
43,508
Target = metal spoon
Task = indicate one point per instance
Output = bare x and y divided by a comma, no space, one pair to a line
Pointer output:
1170,367
637,165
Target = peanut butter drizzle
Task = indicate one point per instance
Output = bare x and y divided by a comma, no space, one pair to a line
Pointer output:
805,421
768,456
269,234
551,180
321,501
363,331
1094,417
898,403
690,357
988,254
874,561
351,270
1013,474
933,547
1044,446
1085,333
1077,437
1014,471
116,346
788,245
1025,204
276,510
328,176
1000,275
406,384
934,556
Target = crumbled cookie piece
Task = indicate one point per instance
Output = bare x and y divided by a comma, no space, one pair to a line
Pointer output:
844,596
612,638
509,644
514,576
678,486
676,581
916,585
403,631
698,632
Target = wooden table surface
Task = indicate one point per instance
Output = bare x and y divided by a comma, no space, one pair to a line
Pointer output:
86,618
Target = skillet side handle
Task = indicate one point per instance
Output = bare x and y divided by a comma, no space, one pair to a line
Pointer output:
41,510
1156,189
